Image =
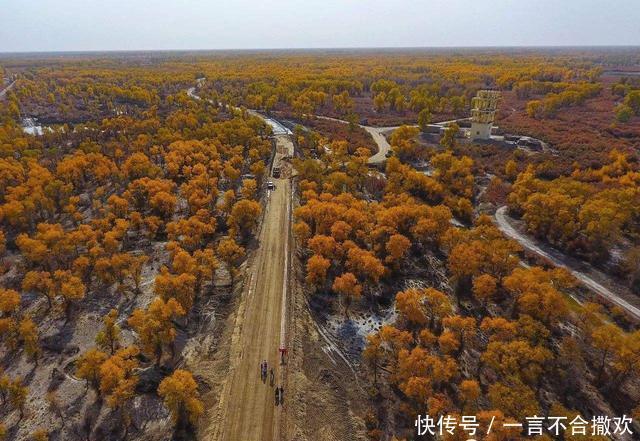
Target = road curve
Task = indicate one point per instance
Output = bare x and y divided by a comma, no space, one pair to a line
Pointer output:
377,133
383,145
276,126
562,261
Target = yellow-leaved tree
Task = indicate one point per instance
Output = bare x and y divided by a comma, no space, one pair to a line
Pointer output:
180,394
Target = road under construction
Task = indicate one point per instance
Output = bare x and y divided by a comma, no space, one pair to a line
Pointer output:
246,408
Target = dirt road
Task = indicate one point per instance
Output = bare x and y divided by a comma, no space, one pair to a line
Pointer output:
585,275
320,402
247,408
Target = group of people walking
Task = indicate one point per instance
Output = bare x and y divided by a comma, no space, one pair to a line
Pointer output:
266,371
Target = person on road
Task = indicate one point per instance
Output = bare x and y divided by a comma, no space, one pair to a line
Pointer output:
277,396
281,394
263,371
283,353
272,377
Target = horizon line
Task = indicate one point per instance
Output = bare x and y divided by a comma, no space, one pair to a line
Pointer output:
328,48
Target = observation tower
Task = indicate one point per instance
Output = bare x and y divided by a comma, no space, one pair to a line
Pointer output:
483,113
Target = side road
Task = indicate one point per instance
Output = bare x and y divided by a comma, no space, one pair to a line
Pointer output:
581,271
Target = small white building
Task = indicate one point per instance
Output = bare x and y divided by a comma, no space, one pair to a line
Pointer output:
480,130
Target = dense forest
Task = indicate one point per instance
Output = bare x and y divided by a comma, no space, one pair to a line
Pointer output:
127,216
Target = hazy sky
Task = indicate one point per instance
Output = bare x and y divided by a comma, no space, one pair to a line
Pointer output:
48,25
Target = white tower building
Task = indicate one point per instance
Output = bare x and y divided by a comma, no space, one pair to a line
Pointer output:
483,113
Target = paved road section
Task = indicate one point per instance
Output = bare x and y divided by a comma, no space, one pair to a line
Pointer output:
4,91
562,261
378,135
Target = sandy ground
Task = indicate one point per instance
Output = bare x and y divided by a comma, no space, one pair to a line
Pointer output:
245,409
327,399
80,415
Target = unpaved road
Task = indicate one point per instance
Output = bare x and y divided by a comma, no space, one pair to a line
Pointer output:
246,409
560,260
320,402
4,91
